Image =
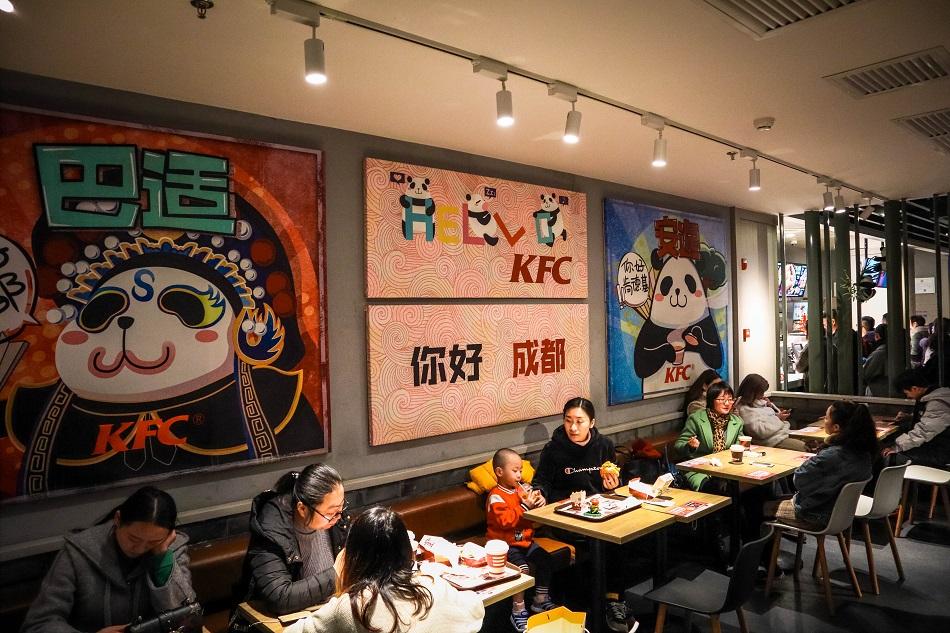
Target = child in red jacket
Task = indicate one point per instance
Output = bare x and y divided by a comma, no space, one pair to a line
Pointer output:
506,504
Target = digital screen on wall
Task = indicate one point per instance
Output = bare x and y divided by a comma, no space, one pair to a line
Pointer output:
796,277
874,268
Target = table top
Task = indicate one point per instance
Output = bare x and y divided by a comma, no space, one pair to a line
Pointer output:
743,472
681,497
620,529
252,613
816,430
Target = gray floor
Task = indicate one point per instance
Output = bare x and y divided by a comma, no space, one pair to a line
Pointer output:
920,604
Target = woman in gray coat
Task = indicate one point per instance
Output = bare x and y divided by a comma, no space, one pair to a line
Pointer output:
132,564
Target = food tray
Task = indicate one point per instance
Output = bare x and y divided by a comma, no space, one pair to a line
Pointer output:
610,506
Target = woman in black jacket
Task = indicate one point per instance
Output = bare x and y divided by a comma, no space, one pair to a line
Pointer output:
297,532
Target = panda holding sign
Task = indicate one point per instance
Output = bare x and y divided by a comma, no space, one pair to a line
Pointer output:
551,210
679,339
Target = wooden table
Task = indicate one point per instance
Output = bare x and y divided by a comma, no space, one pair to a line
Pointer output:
253,614
737,474
884,427
618,530
680,497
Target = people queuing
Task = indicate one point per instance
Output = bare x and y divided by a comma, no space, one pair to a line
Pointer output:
132,564
379,591
874,370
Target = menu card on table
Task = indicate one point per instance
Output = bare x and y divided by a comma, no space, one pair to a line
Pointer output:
689,508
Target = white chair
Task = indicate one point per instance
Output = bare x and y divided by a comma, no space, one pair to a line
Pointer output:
842,516
923,475
887,498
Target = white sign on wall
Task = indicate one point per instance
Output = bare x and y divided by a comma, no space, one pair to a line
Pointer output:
924,285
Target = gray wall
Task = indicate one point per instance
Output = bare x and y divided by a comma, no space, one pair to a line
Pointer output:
35,525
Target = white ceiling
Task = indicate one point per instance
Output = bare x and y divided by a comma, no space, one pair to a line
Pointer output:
677,58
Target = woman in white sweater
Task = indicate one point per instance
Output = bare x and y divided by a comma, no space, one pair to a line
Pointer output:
378,592
762,420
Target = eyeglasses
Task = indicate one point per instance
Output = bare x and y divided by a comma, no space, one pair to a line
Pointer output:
333,517
726,399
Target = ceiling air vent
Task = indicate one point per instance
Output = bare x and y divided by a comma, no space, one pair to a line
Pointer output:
893,74
762,18
932,126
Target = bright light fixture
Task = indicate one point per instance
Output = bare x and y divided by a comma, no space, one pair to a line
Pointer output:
659,151
6,6
315,60
755,177
506,115
572,130
839,202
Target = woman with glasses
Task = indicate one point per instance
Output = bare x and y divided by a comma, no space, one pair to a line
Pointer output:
377,589
132,564
711,430
297,532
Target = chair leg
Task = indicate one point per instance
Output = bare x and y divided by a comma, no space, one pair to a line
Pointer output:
875,586
847,563
847,537
900,509
743,627
776,543
946,500
714,623
814,566
913,502
798,555
820,556
897,557
933,503
660,619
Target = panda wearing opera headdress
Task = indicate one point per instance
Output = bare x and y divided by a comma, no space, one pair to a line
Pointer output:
679,339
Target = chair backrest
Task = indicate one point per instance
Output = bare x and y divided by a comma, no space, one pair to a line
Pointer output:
842,516
887,491
742,581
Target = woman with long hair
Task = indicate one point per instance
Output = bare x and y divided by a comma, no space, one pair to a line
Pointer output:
848,456
132,564
695,399
378,591
297,531
764,422
711,430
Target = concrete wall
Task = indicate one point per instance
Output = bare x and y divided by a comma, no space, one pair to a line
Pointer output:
36,525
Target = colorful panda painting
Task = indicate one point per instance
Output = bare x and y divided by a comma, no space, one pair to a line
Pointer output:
667,292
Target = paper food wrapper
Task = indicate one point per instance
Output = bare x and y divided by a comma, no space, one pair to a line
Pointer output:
640,490
442,550
559,620
662,483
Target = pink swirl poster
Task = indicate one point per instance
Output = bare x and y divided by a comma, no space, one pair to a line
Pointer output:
438,369
437,233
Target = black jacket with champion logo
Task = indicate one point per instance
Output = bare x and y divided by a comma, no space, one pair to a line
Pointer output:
566,467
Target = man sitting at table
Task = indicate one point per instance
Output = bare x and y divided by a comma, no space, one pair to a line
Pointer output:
507,503
927,443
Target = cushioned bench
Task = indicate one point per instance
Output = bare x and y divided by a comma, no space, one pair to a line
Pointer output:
215,568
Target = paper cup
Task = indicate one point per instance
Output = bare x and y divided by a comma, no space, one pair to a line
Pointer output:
737,451
746,440
497,554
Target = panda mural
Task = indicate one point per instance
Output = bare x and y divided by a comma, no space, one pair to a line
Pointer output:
418,207
552,211
679,339
480,222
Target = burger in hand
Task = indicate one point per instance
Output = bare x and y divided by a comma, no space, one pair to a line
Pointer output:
610,474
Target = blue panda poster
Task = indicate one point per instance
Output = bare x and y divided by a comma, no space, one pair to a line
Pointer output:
667,292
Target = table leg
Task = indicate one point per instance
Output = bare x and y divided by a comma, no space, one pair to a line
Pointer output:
595,620
736,520
659,561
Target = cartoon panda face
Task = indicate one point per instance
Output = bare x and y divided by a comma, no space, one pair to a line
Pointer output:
549,202
147,334
418,187
678,296
475,202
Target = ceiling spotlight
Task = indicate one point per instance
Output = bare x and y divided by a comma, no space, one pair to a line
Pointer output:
6,6
839,202
315,60
867,209
828,200
503,103
755,180
572,129
657,123
313,53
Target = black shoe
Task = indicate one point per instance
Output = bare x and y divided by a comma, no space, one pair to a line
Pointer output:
619,618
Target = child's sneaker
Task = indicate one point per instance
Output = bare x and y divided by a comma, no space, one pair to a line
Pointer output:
617,618
545,605
519,620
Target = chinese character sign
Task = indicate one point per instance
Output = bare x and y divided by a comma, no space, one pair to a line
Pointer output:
160,302
437,369
667,294
438,233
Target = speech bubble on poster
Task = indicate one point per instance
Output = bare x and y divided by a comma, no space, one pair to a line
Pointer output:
633,282
17,289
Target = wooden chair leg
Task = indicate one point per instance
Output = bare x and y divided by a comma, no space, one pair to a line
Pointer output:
798,555
714,623
776,543
900,509
814,566
875,587
847,537
897,557
933,503
847,564
660,619
820,556
743,627
946,500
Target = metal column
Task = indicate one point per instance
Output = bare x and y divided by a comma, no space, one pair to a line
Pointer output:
896,319
841,266
816,341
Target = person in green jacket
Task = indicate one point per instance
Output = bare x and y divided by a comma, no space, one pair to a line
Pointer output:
710,430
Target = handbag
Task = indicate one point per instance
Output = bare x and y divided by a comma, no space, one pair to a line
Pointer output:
183,619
